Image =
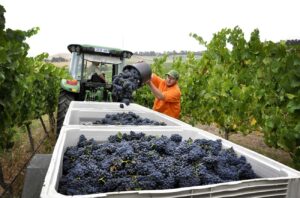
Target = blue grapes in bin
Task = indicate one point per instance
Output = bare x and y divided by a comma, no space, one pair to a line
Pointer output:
136,161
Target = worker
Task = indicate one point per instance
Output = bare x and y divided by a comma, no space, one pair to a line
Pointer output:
167,93
96,74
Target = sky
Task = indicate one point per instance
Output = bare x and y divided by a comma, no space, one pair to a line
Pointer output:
147,25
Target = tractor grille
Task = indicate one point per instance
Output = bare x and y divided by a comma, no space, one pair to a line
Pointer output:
94,94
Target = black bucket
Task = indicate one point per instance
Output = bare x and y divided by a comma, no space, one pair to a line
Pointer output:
144,70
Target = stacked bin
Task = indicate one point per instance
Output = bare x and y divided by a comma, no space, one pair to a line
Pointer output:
275,179
79,112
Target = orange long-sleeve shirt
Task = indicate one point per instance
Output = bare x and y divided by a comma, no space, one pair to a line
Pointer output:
171,103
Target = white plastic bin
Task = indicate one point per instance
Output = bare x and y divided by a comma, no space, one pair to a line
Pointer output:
276,179
106,106
79,112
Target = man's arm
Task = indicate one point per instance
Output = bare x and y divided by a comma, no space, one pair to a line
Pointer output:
157,93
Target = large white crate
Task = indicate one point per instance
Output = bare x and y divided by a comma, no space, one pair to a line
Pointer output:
276,179
79,112
92,105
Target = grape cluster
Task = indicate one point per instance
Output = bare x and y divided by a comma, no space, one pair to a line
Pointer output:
124,84
135,161
124,118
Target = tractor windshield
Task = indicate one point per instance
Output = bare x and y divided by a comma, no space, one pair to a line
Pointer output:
100,65
102,59
101,69
93,63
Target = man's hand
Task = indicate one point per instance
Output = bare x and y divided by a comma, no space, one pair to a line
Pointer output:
148,81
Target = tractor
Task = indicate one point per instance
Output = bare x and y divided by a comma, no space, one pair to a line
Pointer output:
92,69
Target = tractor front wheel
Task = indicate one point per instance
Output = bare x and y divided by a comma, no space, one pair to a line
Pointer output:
65,98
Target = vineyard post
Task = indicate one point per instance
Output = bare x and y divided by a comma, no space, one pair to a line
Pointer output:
30,137
7,188
226,133
2,182
52,121
43,124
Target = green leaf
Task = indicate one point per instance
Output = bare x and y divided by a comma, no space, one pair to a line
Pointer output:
297,128
119,135
267,60
292,107
295,83
290,96
297,61
2,77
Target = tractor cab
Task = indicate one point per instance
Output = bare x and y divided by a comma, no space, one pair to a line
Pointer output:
92,69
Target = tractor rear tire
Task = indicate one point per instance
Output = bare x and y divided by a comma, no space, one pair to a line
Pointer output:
65,98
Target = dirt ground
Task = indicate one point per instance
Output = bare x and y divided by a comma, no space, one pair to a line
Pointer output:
255,142
14,162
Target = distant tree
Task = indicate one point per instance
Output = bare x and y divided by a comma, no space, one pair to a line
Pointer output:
58,59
